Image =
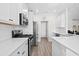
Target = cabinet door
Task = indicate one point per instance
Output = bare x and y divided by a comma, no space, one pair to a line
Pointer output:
16,52
58,49
70,53
14,16
58,21
24,49
61,20
4,11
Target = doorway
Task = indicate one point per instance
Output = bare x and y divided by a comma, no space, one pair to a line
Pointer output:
44,29
35,32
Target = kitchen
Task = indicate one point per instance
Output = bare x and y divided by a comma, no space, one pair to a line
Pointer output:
39,29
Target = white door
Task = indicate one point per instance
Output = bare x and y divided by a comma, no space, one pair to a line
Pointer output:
44,29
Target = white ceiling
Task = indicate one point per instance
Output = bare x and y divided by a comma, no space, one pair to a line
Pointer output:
50,7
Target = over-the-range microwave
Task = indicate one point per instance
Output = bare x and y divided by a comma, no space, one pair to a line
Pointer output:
23,20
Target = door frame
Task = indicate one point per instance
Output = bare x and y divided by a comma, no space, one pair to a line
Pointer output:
46,27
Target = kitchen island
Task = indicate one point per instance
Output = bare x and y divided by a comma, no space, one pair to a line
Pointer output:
65,46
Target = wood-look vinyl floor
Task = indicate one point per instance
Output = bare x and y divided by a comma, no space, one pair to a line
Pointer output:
44,48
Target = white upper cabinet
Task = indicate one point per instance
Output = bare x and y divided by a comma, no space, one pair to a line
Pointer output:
4,11
9,12
13,11
61,20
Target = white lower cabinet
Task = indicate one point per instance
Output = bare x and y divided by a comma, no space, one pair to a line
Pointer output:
59,50
22,50
70,53
16,53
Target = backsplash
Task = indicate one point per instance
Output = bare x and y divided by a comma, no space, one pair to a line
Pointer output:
5,32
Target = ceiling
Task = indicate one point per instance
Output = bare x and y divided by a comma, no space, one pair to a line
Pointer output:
50,7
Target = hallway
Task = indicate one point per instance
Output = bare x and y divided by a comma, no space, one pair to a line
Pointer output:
44,48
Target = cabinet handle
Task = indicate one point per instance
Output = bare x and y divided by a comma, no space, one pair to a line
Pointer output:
10,20
18,52
23,52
